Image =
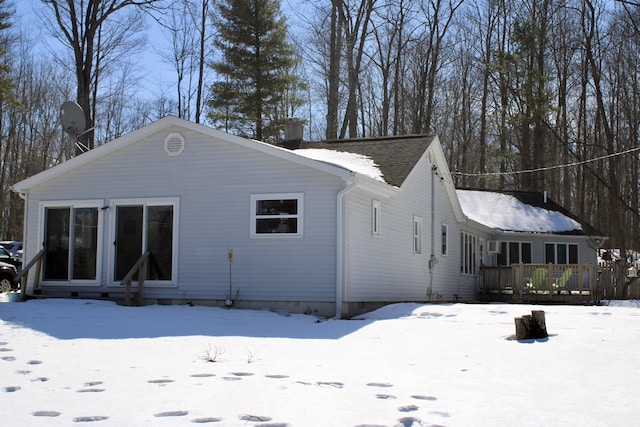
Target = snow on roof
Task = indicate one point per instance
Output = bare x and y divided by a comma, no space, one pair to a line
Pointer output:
505,212
354,162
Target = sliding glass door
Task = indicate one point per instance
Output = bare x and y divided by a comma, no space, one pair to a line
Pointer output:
71,243
141,228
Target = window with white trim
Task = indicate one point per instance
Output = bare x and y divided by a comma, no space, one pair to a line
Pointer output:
444,240
468,244
561,253
417,235
375,217
277,215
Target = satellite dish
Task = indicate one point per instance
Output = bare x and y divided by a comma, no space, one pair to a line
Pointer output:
72,118
73,123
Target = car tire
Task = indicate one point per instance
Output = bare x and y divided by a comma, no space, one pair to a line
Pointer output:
6,283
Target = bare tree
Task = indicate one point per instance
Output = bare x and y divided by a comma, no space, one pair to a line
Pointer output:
188,32
86,27
438,16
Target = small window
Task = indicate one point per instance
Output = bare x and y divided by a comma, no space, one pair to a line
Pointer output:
445,239
375,218
276,215
417,235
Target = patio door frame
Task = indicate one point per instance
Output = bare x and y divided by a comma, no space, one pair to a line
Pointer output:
145,204
71,205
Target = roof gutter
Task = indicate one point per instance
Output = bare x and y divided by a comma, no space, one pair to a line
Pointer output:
341,264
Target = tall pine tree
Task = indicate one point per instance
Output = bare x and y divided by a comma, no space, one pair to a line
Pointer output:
254,72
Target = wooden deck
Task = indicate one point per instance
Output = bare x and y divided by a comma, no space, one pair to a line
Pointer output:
551,283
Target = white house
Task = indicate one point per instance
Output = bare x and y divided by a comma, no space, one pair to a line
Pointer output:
332,228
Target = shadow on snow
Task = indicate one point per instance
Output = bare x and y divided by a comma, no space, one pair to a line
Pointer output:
73,319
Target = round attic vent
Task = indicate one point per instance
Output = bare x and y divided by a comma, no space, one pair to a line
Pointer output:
174,144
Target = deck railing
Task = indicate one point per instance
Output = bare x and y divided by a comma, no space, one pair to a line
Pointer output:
23,275
539,282
139,267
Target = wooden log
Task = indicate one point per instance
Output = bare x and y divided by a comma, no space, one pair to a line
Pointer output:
531,326
539,326
522,327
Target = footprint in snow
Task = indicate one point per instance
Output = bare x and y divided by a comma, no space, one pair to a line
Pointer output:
409,422
90,390
384,396
242,374
206,420
408,408
255,418
46,414
330,384
384,385
89,419
34,362
5,349
8,358
202,375
420,397
11,389
277,376
160,382
171,414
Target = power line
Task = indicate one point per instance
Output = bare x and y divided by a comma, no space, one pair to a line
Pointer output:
548,168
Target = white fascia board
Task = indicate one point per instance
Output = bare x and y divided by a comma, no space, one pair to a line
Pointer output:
445,173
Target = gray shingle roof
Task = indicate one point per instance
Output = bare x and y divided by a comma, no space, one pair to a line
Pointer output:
395,155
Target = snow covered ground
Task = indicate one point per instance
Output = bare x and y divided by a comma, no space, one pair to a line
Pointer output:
72,362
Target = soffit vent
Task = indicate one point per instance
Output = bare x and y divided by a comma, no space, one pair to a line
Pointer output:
174,144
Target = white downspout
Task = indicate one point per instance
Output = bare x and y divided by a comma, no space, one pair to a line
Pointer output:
432,258
340,244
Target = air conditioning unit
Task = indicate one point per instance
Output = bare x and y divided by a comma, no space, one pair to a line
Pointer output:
493,246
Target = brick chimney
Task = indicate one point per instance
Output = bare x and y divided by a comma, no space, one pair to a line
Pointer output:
293,133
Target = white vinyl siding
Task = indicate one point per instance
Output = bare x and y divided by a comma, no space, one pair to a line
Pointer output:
214,180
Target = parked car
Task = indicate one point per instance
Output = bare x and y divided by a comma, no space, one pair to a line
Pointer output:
6,257
8,274
12,247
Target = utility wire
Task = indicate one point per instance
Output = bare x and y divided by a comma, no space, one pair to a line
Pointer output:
548,168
